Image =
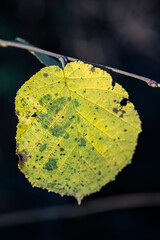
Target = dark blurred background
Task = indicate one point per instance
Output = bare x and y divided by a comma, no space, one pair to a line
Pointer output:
122,34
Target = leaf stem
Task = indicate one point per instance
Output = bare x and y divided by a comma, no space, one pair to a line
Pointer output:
4,43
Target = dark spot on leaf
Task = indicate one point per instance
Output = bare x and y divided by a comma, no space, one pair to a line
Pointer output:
58,81
125,130
123,112
69,98
45,74
61,149
92,69
121,116
115,110
99,173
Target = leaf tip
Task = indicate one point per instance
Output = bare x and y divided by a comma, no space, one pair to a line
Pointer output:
79,198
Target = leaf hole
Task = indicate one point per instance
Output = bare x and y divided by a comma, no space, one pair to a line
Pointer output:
124,102
34,115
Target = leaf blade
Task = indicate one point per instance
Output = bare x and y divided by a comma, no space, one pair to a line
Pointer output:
85,136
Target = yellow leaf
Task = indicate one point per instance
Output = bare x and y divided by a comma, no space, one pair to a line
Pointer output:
74,134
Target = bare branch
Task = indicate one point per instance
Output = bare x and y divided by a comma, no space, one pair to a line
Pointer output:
5,43
87,208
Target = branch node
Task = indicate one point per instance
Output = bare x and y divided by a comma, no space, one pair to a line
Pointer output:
153,83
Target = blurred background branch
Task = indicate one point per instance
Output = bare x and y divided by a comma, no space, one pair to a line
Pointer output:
86,208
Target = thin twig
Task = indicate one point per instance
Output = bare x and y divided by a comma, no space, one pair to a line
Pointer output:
5,43
87,208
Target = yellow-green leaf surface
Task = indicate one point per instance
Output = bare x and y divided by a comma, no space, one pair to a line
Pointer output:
74,135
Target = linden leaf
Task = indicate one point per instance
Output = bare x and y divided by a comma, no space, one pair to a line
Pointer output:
76,131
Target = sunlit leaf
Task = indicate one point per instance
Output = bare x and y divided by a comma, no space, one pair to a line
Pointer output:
76,131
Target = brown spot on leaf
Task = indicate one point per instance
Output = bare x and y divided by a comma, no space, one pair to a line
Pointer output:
22,158
92,69
17,113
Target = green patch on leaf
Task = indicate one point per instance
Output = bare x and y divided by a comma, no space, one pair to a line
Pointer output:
45,99
42,147
51,164
82,142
